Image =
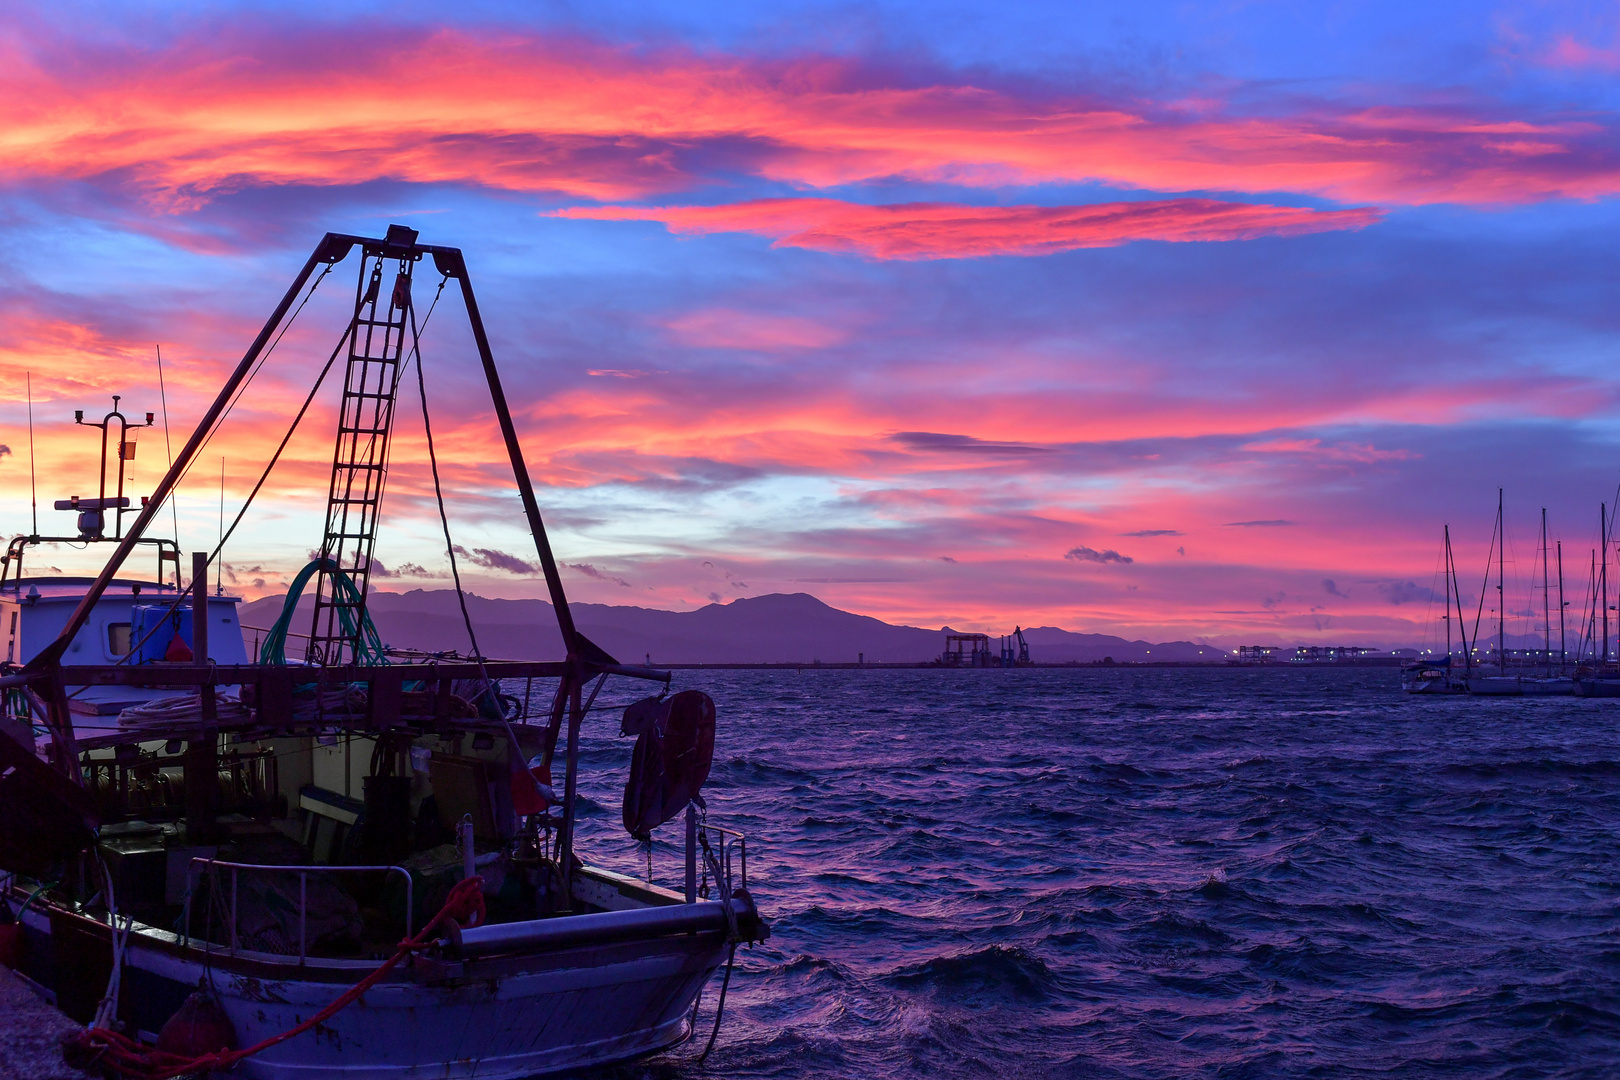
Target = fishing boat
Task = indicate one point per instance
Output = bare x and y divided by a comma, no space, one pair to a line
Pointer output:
349,861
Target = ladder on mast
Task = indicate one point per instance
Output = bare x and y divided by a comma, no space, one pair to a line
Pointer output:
360,458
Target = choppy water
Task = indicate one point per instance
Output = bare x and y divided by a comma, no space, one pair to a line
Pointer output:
1155,873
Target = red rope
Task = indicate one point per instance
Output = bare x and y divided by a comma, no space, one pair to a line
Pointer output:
125,1057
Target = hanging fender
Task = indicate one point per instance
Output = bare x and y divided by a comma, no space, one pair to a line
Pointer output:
674,751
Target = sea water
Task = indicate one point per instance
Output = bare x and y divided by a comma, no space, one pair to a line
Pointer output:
1115,872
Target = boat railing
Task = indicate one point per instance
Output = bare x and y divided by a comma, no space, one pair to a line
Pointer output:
709,850
303,871
731,843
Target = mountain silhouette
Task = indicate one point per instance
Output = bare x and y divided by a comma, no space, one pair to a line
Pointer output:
775,628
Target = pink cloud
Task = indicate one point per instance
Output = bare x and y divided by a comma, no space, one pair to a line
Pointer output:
1566,52
268,106
1316,448
953,231
723,328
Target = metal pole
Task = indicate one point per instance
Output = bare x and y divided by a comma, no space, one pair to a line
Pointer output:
1563,648
233,910
199,629
691,853
1546,594
303,916
570,787
1501,594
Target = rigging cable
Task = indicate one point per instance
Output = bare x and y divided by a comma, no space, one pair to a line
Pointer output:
491,695
433,462
263,358
264,476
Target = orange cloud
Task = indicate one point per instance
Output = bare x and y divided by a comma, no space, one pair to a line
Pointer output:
951,231
542,114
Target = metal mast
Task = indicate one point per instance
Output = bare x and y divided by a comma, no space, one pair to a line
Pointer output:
1501,595
1546,596
1446,572
1563,648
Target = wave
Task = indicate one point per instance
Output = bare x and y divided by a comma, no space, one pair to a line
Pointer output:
998,970
1536,767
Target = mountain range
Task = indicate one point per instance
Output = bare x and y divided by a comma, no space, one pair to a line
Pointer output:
775,628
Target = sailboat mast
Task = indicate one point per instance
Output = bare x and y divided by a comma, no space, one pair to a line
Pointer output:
1563,649
1446,570
1603,578
1546,597
1456,590
1501,595
1589,627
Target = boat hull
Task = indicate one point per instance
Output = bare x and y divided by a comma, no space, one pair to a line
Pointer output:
1597,688
493,1018
1433,686
576,1013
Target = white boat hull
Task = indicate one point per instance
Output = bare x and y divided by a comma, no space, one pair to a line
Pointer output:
559,1008
571,1016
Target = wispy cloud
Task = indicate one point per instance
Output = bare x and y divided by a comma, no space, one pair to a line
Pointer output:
954,231
491,559
1086,554
590,571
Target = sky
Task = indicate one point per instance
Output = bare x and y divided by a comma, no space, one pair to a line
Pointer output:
1169,320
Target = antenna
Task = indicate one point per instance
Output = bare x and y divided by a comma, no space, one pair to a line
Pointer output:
33,488
219,570
174,509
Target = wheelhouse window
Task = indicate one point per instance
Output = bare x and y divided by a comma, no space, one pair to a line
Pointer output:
118,638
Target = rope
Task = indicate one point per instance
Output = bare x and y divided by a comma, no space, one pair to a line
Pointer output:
720,1007
123,1056
433,464
723,885
164,713
369,647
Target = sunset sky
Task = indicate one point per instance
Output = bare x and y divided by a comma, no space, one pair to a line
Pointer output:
1161,319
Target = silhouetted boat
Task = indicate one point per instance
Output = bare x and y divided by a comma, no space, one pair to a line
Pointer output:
175,813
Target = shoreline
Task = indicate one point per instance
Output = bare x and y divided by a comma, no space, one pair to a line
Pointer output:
1081,665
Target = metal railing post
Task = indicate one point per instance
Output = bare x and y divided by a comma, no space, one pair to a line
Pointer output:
303,872
691,853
